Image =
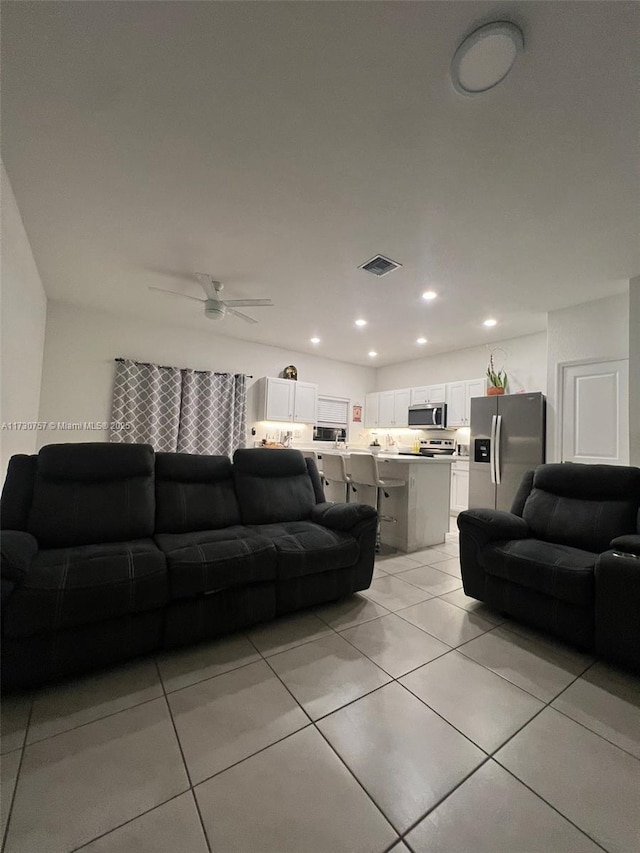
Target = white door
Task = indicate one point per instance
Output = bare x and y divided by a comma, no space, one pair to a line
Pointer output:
401,402
279,399
595,413
306,403
386,408
456,403
371,410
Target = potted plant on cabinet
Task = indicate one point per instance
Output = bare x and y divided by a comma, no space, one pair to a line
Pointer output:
497,379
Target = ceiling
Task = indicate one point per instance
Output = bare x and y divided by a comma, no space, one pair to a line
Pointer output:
279,145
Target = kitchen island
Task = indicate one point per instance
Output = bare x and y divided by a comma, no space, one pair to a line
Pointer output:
421,507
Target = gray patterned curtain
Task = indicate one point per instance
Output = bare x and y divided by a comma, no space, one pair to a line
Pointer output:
213,417
192,411
146,397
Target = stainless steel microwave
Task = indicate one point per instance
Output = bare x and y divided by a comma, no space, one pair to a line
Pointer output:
428,416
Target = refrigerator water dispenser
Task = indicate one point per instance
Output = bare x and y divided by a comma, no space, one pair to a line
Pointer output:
482,450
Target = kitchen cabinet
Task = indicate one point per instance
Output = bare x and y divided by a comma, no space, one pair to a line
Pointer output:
458,397
459,486
288,400
371,408
427,394
393,408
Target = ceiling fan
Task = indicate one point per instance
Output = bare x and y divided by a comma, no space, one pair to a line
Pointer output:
216,308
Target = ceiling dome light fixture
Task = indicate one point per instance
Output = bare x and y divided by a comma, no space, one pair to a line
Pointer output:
372,353
485,57
361,322
490,322
315,340
429,295
421,341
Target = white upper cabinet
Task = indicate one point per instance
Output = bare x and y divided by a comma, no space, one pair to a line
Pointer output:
371,406
288,400
458,399
427,394
393,408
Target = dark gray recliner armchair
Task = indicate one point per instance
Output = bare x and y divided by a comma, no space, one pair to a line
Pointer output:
566,559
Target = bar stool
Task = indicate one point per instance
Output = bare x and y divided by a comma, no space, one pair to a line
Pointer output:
364,471
335,471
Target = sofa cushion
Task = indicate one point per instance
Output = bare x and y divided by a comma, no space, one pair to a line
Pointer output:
584,506
17,492
305,548
272,485
194,493
210,560
92,493
555,570
67,587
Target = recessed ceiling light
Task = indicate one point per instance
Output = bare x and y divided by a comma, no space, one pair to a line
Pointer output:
372,354
429,294
361,322
421,341
485,57
490,322
315,340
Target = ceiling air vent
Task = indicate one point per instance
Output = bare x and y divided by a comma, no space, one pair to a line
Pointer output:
379,265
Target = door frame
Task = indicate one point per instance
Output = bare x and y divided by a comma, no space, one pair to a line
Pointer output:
560,369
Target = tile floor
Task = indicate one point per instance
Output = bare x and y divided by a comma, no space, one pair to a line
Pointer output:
406,718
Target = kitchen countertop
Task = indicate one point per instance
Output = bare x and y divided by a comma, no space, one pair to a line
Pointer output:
386,456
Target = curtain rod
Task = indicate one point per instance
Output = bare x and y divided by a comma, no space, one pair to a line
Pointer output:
169,367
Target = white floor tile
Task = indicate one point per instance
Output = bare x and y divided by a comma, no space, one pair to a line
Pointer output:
607,701
77,785
448,623
350,611
394,644
530,665
393,565
326,674
174,827
494,813
287,632
430,556
183,667
13,722
576,655
9,765
431,580
393,593
451,566
63,707
460,599
591,782
406,756
225,719
480,704
296,796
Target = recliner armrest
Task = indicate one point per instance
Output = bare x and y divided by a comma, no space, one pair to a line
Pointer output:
492,525
341,516
629,544
18,550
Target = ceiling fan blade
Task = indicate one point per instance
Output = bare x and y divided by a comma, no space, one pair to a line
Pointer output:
242,316
175,293
207,285
233,303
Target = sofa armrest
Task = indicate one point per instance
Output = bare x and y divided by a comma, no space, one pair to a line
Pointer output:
341,516
629,544
492,525
17,550
617,606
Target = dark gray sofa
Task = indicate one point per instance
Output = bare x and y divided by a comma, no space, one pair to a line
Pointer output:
566,559
111,551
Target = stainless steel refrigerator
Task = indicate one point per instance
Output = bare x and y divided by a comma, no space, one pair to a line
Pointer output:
507,439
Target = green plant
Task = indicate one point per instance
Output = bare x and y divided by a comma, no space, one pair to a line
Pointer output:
497,379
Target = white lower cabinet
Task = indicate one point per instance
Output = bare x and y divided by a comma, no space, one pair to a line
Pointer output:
459,486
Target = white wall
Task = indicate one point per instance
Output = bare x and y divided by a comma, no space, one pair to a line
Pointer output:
634,371
81,344
597,331
524,359
24,312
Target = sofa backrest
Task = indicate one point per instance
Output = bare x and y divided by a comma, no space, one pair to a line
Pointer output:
272,485
17,492
584,506
194,493
90,493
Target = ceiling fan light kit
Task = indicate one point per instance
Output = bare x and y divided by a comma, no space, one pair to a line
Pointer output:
485,57
216,308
